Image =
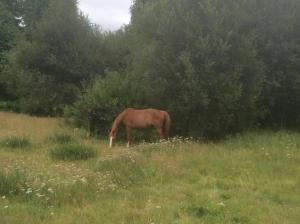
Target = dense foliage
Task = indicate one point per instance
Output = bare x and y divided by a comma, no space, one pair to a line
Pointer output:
218,66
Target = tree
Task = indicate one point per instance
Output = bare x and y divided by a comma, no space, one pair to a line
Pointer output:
65,51
32,12
279,48
9,34
202,53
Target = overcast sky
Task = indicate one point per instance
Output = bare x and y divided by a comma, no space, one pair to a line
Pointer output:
109,14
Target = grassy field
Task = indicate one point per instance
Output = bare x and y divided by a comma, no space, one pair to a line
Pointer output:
50,173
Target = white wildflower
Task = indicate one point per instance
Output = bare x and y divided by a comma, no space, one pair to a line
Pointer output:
39,195
29,190
83,180
221,204
50,190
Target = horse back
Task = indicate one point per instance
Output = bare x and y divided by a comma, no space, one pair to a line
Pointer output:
144,117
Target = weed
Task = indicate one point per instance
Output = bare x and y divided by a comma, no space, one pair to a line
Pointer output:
73,152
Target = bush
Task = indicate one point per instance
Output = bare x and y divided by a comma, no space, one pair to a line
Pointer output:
9,106
16,142
103,101
73,152
43,95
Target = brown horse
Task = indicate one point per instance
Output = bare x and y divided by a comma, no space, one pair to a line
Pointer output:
140,119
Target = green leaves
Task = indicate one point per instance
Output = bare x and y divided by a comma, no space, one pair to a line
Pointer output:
199,55
218,66
62,51
103,100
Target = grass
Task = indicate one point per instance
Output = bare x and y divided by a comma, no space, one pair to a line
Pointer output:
15,142
127,170
11,182
248,178
73,152
61,138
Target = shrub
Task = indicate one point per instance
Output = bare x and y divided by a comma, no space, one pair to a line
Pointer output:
9,106
16,142
103,101
73,152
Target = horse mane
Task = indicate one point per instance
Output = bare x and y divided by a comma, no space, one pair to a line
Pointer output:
117,121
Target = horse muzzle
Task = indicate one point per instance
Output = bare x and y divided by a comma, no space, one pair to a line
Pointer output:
111,142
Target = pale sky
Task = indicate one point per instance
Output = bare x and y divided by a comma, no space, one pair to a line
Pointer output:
109,14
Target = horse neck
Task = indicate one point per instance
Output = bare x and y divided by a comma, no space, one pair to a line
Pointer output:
117,121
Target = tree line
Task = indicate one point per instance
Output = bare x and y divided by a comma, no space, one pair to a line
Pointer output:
218,66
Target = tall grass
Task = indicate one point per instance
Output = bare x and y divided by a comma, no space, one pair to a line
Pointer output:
73,152
15,142
11,182
127,170
61,138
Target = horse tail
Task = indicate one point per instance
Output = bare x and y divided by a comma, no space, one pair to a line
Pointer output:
167,124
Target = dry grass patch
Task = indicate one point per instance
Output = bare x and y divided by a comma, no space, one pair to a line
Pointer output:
36,128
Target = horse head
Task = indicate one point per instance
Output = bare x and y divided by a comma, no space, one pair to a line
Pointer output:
112,137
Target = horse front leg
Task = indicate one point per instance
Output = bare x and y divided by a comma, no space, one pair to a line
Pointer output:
128,134
160,134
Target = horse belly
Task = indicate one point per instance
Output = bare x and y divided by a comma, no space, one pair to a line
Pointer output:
139,125
139,122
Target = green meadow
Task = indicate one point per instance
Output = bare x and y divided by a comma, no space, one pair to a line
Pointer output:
50,173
